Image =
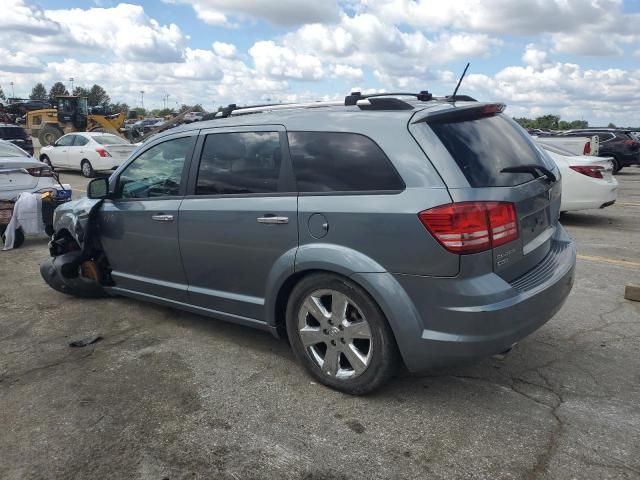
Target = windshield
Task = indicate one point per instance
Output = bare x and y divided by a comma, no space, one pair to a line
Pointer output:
110,140
482,147
9,150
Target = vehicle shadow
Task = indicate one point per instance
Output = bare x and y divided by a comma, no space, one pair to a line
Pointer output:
588,220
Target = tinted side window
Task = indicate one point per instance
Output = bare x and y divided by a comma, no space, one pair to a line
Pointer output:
65,141
243,162
80,141
603,137
340,162
157,172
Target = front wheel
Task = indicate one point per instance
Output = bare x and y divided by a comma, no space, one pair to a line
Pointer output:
87,169
340,335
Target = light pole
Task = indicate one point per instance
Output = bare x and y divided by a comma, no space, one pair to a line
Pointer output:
13,93
71,80
142,98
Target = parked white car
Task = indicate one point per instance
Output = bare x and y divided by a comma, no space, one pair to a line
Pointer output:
587,182
575,145
20,172
88,152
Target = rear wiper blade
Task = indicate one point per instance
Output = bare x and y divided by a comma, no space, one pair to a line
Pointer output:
536,170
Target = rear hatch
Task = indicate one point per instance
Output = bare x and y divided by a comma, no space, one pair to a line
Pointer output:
117,147
480,143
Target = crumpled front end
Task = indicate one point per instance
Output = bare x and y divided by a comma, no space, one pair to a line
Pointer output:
77,265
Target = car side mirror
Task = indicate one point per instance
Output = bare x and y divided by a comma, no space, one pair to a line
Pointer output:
98,188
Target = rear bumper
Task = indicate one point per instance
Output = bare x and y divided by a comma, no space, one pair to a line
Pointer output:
453,320
599,195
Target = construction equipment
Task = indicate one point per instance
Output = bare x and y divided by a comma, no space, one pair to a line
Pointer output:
70,115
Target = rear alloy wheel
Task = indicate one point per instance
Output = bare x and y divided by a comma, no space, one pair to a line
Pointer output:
340,335
87,169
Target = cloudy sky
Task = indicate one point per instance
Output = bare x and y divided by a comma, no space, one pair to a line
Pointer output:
576,58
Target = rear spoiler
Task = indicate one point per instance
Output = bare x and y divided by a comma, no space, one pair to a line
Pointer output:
461,113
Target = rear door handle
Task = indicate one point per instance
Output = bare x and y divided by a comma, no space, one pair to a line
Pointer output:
162,218
273,220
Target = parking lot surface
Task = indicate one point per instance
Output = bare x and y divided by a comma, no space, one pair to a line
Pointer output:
167,394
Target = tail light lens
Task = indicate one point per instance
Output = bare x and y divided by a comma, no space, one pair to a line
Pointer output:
471,227
633,143
40,172
587,149
588,170
102,152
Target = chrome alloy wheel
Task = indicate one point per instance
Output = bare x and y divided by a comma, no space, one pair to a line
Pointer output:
335,334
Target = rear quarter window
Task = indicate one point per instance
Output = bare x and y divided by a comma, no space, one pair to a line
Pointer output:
340,162
482,147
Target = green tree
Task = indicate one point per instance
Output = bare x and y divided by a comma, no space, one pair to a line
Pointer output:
196,108
579,124
38,92
2,96
564,125
58,89
80,92
97,96
119,107
548,121
611,125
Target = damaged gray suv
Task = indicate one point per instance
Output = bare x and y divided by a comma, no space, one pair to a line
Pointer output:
375,232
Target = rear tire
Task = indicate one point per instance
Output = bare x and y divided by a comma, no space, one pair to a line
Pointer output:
616,165
350,346
48,135
87,169
18,238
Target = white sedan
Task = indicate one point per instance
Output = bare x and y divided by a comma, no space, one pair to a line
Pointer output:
88,152
20,172
587,182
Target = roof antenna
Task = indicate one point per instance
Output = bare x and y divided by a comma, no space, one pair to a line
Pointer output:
453,97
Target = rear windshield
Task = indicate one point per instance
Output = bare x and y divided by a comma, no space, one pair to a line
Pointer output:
9,150
110,140
483,147
12,132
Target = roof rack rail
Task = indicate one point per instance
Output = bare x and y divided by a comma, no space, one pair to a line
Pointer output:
352,99
281,106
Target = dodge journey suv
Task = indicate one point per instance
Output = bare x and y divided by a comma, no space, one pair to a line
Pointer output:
370,232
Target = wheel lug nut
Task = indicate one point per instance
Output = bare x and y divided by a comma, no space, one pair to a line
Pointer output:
342,340
333,342
325,331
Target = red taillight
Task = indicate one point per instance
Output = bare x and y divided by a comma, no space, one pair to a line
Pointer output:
587,149
39,172
471,227
588,170
633,143
102,152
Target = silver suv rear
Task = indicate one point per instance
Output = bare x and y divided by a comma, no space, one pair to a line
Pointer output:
369,233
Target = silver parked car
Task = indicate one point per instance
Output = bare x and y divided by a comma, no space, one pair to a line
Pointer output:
373,232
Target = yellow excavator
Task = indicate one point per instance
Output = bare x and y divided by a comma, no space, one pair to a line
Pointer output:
70,115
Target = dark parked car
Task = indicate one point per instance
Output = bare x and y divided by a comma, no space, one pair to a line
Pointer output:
16,135
370,232
617,143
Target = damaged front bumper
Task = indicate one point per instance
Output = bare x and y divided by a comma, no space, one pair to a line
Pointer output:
62,274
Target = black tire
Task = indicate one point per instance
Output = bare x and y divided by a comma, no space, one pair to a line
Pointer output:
383,356
18,240
44,159
87,169
616,165
48,135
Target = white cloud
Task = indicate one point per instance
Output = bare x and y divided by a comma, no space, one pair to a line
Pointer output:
227,50
282,62
279,12
534,56
347,71
18,16
19,62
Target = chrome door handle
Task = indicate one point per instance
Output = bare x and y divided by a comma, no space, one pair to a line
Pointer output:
162,218
273,220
